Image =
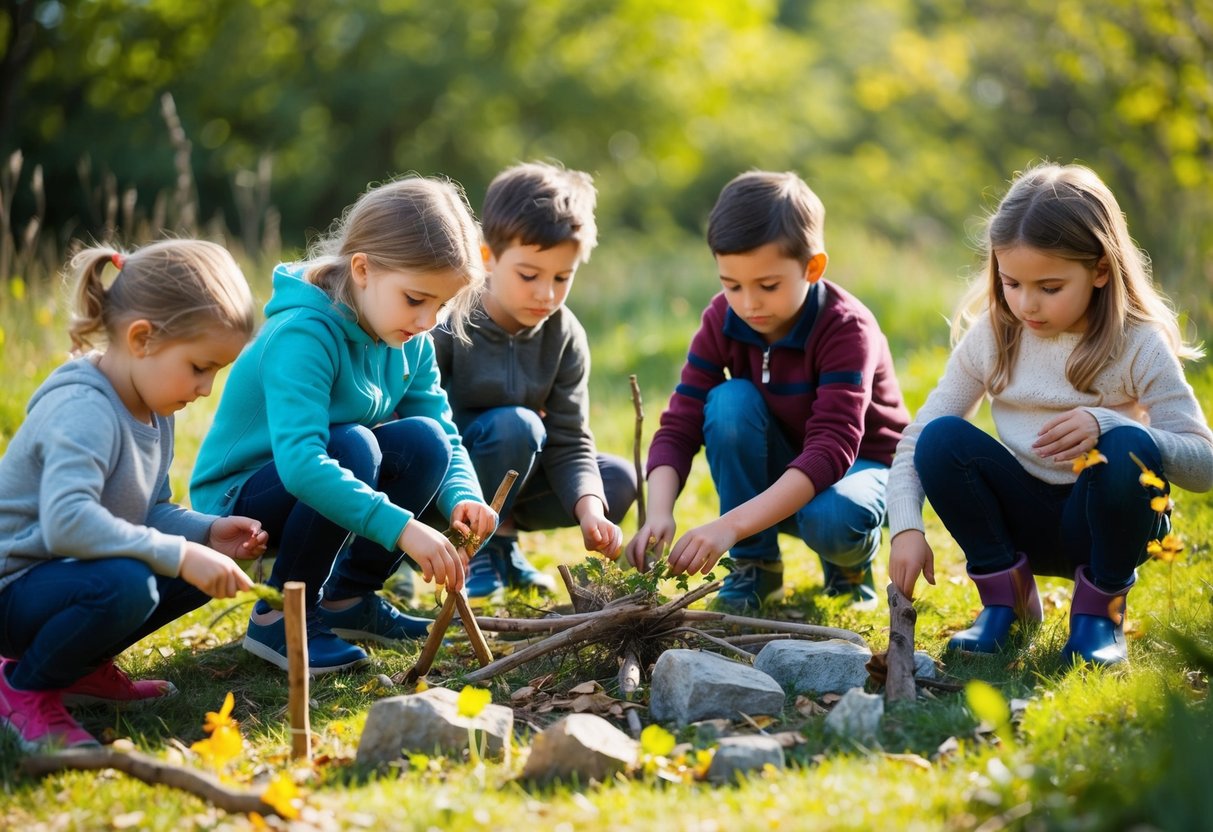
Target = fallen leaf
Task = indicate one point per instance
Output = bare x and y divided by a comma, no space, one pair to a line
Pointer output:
807,707
913,759
586,687
597,703
759,722
523,693
830,698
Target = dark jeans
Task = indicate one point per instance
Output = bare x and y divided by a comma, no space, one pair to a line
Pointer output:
502,438
406,459
995,509
65,617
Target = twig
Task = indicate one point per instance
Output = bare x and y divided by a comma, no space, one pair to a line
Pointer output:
719,642
151,771
773,624
582,601
638,406
629,680
669,608
899,682
294,600
468,618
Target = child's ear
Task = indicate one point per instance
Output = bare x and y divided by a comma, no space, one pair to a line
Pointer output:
1103,273
486,254
139,338
816,267
358,269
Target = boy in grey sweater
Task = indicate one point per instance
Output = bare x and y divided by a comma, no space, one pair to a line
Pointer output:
520,389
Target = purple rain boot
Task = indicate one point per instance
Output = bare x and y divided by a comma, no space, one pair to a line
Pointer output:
1008,596
1097,623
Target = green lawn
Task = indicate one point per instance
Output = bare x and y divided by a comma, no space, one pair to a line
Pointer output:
1094,749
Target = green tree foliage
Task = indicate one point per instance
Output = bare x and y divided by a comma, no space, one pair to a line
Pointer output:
907,115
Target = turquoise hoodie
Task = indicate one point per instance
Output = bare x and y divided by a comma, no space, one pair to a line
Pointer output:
313,366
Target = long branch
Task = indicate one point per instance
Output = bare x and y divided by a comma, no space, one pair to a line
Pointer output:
772,624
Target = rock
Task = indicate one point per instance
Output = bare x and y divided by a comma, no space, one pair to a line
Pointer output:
856,716
580,747
737,755
691,685
429,723
924,665
831,666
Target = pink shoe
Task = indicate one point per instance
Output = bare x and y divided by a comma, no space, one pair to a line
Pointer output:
109,684
38,719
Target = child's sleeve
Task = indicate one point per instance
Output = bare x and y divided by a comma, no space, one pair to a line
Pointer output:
570,457
680,435
1176,423
958,393
424,396
169,517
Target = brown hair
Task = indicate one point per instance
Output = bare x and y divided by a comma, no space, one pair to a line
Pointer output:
539,204
410,224
183,287
1068,212
761,207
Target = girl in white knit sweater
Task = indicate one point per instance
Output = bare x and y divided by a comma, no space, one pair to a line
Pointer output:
1080,356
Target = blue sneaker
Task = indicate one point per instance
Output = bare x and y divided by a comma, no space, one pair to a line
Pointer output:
325,652
515,569
858,584
375,619
483,578
750,584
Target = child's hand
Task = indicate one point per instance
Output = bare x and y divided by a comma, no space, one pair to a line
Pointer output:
601,535
655,535
437,556
700,548
471,517
238,537
213,572
1067,436
910,556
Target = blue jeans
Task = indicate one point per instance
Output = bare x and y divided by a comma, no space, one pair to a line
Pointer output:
502,438
747,452
995,509
406,459
65,617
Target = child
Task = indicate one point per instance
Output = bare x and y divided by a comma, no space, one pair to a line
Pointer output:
519,388
334,431
1079,353
800,436
93,555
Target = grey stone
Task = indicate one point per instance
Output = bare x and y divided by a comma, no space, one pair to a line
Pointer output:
831,666
582,747
690,685
856,716
429,723
924,665
737,755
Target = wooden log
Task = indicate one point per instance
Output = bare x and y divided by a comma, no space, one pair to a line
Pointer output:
151,771
293,604
815,630
899,684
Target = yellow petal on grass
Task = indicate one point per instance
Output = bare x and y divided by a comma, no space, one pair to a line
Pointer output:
282,793
1091,457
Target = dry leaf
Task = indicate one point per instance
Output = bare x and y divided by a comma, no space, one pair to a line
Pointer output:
585,687
759,722
830,698
913,759
597,703
807,707
523,693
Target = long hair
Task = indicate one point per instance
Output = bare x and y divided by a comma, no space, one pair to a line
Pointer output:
410,224
185,288
1068,212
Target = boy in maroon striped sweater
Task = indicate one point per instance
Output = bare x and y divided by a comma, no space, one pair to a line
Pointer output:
789,386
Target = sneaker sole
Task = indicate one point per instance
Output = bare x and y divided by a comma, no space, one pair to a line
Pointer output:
76,699
366,635
279,661
33,746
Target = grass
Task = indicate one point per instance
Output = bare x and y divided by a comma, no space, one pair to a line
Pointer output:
1094,749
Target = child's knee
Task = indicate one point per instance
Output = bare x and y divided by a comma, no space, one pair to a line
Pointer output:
512,427
845,536
1118,443
126,588
732,414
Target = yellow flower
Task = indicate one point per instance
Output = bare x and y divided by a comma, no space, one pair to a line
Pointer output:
1091,457
1150,480
223,718
223,745
282,793
656,741
473,700
1173,543
1161,504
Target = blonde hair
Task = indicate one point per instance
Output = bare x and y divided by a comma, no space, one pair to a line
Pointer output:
410,224
185,288
1068,212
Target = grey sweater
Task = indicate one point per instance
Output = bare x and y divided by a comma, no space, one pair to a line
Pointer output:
546,369
83,479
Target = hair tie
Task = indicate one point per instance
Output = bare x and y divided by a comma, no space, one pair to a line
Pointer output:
118,260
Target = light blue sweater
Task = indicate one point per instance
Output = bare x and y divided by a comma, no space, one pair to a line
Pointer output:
82,478
313,366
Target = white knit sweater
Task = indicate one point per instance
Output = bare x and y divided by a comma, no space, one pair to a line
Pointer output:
1143,386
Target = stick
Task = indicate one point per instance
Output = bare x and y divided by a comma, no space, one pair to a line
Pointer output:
582,632
479,646
691,597
297,669
629,680
151,771
638,406
719,642
899,684
772,624
579,597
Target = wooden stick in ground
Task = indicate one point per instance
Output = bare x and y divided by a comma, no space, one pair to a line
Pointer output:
438,629
151,771
899,684
468,618
580,598
293,602
629,680
641,508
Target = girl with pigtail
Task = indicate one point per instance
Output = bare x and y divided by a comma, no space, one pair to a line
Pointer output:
94,555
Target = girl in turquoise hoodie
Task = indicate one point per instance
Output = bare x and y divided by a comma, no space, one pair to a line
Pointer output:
334,431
